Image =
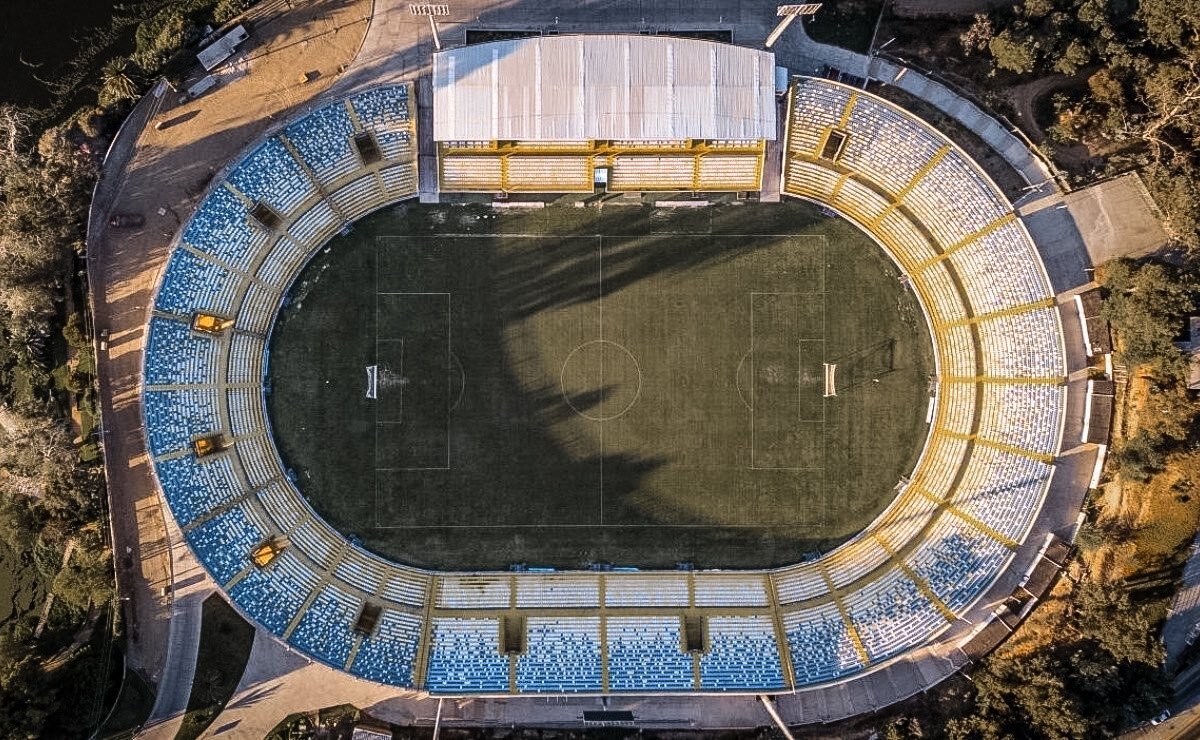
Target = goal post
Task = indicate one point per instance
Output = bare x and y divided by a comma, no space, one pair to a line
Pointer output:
372,381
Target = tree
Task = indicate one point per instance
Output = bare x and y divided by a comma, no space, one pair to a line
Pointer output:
1147,304
1170,23
86,580
1073,58
976,37
115,84
1013,52
1140,457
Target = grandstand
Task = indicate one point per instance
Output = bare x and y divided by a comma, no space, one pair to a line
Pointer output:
949,534
557,114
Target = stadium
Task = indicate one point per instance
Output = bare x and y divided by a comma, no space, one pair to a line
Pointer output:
948,539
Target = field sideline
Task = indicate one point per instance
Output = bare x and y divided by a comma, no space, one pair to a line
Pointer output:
626,385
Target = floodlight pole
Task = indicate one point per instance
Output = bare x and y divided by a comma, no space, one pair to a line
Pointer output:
780,28
437,42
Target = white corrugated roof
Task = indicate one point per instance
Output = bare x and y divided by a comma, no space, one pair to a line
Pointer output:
575,88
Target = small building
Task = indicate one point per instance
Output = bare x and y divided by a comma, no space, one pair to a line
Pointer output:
1192,348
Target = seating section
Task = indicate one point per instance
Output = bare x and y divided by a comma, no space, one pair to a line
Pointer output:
1003,490
326,629
258,459
322,138
191,284
313,229
978,275
1035,425
1008,352
270,175
384,111
389,655
285,259
535,591
646,654
651,172
405,586
176,356
820,645
245,359
729,172
799,583
474,592
222,228
645,590
271,597
361,570
714,590
245,411
464,655
885,145
957,562
562,655
258,308
891,614
174,418
549,173
742,655
223,543
195,487
360,197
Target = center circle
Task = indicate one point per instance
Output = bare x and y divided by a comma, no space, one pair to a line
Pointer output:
601,380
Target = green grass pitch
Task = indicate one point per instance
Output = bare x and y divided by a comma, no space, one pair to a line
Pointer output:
624,385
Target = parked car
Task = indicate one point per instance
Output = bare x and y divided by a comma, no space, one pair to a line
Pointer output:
103,340
126,220
1162,717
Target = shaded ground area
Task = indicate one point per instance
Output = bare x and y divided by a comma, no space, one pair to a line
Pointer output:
626,385
22,586
225,642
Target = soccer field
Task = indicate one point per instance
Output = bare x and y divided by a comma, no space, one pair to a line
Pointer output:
625,385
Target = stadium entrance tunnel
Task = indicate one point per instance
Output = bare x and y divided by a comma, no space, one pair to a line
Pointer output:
735,386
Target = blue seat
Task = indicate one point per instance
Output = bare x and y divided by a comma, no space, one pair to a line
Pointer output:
174,417
388,655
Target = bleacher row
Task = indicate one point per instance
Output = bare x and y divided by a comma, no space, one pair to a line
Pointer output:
230,264
568,172
980,279
926,559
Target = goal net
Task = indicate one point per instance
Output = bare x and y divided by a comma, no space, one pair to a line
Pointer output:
372,381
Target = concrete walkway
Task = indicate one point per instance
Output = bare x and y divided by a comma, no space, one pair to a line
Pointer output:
160,172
